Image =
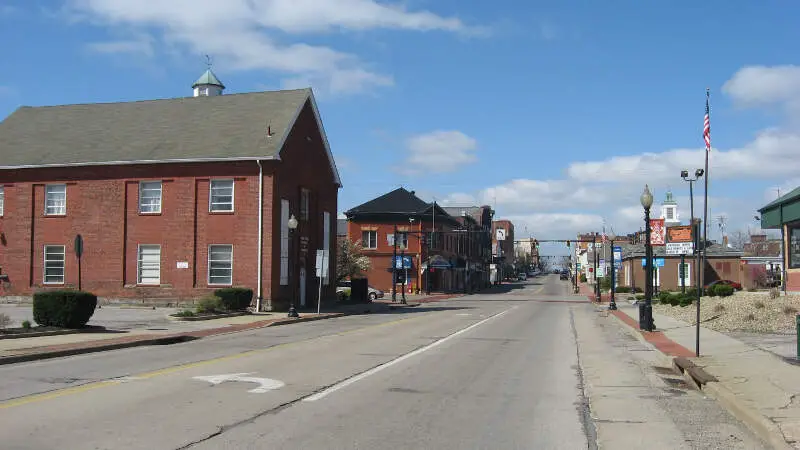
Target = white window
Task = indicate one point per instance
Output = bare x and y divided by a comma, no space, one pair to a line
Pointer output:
369,239
55,203
670,214
148,266
402,239
2,199
305,201
220,264
326,244
687,274
284,242
150,197
220,197
628,280
54,264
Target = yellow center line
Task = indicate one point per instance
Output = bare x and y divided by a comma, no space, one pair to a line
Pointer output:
169,370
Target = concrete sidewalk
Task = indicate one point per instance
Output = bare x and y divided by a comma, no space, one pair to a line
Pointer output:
758,387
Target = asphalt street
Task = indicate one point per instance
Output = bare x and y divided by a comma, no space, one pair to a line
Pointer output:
519,369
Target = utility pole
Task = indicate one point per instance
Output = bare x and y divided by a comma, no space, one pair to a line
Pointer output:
394,265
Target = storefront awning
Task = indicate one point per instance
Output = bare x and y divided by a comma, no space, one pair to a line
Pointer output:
437,262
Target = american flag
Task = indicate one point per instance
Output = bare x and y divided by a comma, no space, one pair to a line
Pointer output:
707,127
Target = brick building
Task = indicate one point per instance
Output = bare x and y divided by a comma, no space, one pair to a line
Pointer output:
453,258
173,198
722,263
503,249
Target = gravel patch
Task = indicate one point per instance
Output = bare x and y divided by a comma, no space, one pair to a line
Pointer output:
743,311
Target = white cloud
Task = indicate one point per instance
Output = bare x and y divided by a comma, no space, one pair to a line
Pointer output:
762,85
243,34
439,152
611,187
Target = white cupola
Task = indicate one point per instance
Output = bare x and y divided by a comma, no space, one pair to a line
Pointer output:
669,210
208,85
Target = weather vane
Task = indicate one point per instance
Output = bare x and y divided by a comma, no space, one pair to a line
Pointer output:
208,61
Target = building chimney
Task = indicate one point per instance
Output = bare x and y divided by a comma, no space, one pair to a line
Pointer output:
724,241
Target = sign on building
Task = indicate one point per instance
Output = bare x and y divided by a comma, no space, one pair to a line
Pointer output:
679,240
500,234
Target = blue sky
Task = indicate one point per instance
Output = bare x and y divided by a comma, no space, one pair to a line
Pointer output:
555,112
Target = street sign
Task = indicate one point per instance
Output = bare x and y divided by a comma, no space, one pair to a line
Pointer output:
600,272
680,248
403,262
657,262
323,262
501,234
617,257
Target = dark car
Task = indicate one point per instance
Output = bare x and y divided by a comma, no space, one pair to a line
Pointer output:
564,275
733,284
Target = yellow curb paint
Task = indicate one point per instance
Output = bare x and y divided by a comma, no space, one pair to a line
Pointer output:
34,398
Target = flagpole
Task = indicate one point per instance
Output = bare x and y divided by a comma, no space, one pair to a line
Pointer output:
707,137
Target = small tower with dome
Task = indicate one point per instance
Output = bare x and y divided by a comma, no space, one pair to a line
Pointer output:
669,210
208,85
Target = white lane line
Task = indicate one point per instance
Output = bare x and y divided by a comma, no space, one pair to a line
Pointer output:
355,378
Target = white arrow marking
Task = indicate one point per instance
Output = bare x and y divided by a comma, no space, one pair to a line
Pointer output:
265,384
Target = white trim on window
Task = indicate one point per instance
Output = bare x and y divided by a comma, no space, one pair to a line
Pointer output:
284,242
150,194
148,264
2,200
326,244
220,195
53,268
55,200
220,264
369,239
687,274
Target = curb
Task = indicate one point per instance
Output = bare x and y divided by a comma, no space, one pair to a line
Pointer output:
199,318
160,340
38,334
764,428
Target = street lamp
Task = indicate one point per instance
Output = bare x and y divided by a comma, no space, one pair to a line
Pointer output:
646,310
613,304
292,224
695,244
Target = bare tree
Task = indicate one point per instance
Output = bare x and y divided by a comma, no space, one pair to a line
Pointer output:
737,239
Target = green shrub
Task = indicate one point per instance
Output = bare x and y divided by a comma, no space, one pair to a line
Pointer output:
185,313
622,289
640,297
583,278
26,324
63,308
665,297
723,290
209,305
685,300
234,298
711,292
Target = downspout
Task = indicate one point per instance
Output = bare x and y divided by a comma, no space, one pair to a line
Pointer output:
260,231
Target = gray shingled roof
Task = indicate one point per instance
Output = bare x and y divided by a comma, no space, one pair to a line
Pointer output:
638,250
191,128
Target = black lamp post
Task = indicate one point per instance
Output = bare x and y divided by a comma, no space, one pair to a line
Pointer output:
594,264
292,224
613,304
695,244
646,309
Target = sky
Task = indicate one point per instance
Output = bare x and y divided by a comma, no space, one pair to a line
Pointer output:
555,113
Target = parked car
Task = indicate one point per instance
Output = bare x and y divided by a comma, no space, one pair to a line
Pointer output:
343,287
522,276
564,275
733,284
